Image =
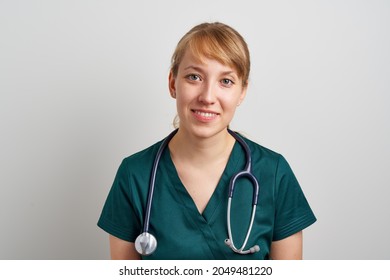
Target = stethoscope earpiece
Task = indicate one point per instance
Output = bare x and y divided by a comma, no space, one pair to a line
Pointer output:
251,250
255,249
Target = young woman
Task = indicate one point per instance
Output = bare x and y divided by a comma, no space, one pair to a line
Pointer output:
188,213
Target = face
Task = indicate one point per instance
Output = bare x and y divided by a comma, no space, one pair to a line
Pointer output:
207,94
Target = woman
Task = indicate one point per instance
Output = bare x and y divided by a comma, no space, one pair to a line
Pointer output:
209,79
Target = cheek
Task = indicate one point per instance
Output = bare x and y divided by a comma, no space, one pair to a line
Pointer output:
230,103
185,94
181,103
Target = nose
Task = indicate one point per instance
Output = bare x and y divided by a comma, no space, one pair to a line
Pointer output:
207,94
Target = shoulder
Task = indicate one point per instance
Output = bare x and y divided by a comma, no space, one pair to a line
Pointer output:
266,160
141,160
144,154
258,151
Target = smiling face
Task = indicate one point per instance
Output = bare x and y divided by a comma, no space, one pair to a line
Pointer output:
207,94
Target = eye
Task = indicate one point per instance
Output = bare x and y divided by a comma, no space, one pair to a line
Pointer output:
193,77
227,82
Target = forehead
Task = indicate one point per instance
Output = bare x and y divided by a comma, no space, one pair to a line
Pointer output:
190,60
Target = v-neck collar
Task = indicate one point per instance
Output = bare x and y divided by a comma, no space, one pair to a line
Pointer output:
220,193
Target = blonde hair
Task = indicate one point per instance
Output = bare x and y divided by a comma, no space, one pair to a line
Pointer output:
214,41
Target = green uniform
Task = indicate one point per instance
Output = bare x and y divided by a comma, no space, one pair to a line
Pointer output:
181,231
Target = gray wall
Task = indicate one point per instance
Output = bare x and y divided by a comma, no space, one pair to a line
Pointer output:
84,84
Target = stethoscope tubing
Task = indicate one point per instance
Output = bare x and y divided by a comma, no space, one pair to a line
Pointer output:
246,172
232,246
148,210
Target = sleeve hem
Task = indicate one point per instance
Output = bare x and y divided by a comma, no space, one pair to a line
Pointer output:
294,227
110,228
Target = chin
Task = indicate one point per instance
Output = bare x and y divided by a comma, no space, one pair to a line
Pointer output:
204,132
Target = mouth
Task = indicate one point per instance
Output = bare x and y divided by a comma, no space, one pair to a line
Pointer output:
204,115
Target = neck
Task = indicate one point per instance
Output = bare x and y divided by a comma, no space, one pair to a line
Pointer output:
201,150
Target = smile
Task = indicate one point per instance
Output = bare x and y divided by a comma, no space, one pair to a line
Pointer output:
205,114
202,115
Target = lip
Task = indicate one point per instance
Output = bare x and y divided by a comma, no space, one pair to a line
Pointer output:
204,115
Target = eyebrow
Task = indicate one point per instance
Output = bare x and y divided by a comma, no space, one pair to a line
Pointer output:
197,68
193,67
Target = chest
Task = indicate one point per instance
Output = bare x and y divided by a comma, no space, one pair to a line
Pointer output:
190,206
178,221
200,182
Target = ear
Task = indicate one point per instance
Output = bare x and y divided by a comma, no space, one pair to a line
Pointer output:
171,84
242,95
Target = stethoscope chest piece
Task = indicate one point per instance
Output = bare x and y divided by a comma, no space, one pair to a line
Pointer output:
145,244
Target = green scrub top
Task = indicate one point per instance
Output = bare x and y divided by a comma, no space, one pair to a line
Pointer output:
181,231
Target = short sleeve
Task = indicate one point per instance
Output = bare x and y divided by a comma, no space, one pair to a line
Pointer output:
292,211
118,216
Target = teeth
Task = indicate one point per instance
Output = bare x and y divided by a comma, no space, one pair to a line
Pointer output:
205,114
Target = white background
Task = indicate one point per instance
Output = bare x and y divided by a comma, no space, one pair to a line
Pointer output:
84,84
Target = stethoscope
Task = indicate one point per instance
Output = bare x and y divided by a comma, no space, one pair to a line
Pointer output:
146,243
